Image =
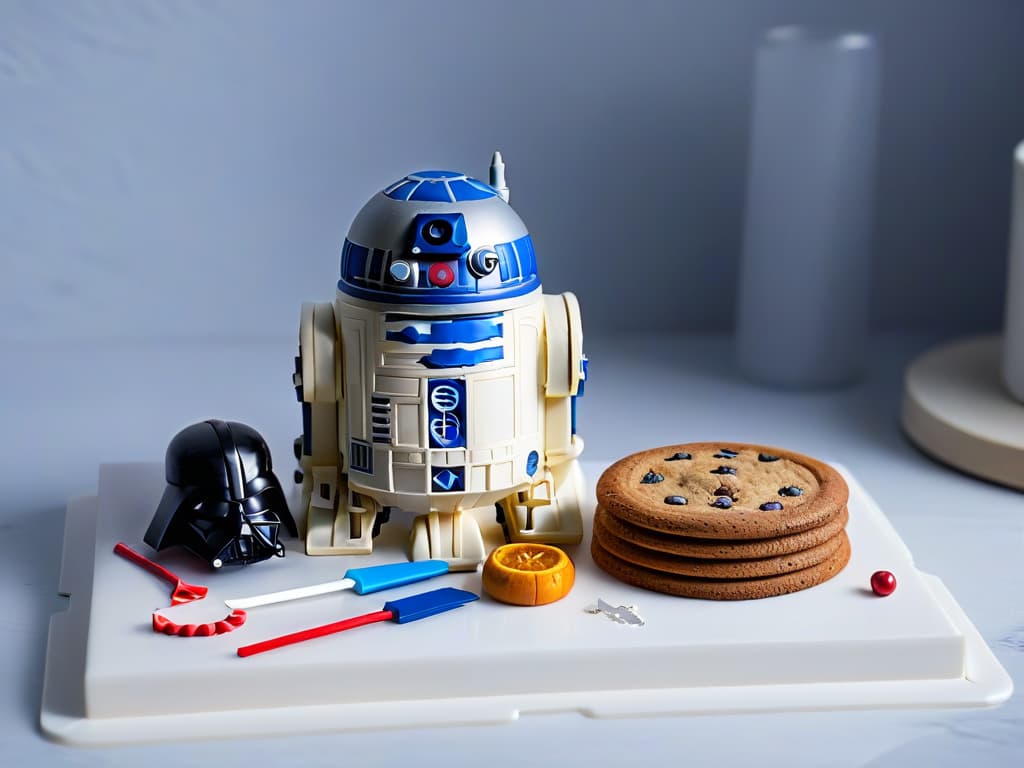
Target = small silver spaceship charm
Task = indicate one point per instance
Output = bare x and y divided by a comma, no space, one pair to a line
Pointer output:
621,614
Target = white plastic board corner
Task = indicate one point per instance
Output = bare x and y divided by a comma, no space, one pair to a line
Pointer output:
110,680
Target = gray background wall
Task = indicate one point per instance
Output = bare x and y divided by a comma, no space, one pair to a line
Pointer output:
165,166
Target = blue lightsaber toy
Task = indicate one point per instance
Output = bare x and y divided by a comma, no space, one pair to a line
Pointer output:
399,611
362,581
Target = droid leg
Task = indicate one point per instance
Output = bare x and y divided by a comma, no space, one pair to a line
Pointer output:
549,511
453,536
339,521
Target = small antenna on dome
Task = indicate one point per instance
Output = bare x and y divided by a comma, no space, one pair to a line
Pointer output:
498,176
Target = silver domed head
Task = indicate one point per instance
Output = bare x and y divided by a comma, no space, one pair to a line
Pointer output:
437,237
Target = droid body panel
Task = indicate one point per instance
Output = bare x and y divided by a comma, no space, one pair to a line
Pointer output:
441,381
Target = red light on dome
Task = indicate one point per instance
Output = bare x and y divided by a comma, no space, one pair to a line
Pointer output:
441,275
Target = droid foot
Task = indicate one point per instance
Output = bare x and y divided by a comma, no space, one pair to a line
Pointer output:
454,537
348,531
549,512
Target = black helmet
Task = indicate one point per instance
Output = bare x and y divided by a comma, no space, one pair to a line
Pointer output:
222,501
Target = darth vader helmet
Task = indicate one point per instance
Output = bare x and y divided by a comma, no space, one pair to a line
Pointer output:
222,501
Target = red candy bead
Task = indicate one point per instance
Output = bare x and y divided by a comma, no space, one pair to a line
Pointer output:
883,583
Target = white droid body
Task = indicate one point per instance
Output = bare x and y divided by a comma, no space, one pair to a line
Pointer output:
442,381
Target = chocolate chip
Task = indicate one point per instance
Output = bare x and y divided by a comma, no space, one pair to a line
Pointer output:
791,490
725,453
679,457
722,502
724,471
652,477
767,457
771,506
676,500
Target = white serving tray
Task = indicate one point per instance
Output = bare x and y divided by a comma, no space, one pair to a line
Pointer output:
110,680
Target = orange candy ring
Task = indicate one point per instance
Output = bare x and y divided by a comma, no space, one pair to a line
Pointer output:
524,573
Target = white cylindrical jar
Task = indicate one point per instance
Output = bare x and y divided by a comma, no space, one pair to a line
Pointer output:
802,316
1013,342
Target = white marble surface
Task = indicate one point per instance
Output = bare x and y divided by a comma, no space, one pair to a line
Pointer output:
65,409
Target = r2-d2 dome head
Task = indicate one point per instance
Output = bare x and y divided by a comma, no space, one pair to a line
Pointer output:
439,237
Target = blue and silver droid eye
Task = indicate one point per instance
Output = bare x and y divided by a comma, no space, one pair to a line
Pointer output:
439,234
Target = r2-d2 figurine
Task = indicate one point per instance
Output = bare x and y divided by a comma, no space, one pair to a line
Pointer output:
441,381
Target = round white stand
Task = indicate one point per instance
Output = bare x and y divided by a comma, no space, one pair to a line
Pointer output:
956,408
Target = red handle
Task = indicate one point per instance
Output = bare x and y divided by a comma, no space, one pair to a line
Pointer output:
157,570
309,634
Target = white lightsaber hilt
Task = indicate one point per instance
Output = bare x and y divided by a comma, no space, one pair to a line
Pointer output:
290,594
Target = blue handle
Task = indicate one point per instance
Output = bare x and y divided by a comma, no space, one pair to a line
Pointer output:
374,578
428,603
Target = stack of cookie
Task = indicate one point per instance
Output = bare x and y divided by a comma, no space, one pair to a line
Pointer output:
721,521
